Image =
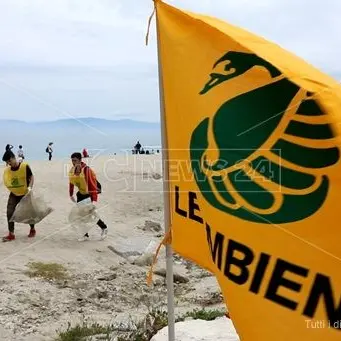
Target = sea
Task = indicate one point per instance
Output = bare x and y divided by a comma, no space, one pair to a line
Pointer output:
66,141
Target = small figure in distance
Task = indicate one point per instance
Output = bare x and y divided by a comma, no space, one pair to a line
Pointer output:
49,150
21,156
137,147
85,153
8,147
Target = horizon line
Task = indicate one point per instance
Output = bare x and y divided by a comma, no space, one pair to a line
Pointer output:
79,119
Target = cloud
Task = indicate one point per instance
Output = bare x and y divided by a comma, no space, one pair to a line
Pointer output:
86,55
104,32
68,32
309,28
34,93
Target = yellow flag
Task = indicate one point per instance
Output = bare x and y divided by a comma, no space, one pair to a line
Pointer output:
255,174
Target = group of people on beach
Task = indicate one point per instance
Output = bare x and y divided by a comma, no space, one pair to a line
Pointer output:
138,149
18,178
48,150
20,152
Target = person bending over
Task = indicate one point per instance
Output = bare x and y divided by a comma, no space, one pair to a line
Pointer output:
18,178
84,178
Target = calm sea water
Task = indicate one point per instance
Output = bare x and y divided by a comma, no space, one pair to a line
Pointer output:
34,141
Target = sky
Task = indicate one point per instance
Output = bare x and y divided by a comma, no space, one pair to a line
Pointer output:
82,58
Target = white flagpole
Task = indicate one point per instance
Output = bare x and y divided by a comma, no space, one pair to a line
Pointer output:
166,204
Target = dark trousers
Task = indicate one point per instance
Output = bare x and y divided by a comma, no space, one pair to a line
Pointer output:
81,197
12,203
50,156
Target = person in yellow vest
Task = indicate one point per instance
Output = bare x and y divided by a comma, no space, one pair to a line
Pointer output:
84,178
19,179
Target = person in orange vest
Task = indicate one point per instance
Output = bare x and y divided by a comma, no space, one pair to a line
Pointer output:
19,179
84,178
85,153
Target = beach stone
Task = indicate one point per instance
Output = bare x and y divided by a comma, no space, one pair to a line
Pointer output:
97,337
107,278
156,176
79,285
92,294
150,225
221,329
125,254
144,260
176,275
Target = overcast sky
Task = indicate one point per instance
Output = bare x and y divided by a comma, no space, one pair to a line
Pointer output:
88,57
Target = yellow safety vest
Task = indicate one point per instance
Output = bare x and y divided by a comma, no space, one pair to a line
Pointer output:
16,181
79,181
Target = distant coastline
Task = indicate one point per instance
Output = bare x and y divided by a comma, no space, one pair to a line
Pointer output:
69,135
72,121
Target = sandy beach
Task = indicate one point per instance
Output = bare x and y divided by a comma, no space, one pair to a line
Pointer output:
105,283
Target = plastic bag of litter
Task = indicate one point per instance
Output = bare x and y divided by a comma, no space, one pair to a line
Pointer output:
83,216
31,209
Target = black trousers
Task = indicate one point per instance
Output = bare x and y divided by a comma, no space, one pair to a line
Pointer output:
81,197
13,201
50,156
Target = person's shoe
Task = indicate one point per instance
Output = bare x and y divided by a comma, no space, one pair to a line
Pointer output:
32,233
104,233
84,238
9,237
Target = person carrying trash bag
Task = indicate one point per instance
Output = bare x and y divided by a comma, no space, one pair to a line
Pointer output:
84,178
19,179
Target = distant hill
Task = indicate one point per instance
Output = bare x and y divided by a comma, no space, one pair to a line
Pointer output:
71,135
79,123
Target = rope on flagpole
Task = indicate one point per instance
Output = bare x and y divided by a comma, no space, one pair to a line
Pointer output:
150,20
148,27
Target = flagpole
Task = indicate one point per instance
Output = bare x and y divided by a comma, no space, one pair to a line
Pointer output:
166,203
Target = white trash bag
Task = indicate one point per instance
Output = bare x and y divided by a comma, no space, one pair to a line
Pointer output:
31,209
83,216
